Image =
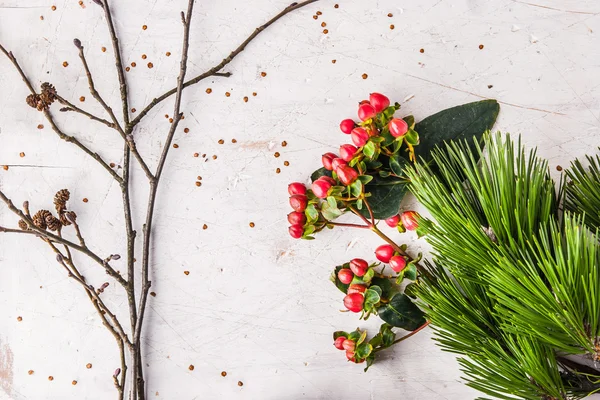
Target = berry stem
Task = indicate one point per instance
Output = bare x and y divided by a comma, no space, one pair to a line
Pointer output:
348,225
404,337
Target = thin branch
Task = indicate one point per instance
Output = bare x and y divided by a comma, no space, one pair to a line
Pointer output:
348,225
72,107
369,209
214,71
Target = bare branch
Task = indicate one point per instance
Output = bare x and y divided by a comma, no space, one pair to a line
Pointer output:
72,107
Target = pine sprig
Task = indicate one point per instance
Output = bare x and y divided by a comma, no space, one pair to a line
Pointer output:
582,193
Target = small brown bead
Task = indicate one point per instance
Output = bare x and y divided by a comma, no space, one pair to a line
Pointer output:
480,47
559,168
323,24
240,383
74,383
21,154
175,146
167,116
133,64
276,154
198,184
221,141
5,167
203,155
19,318
263,74
199,178
103,49
284,143
65,64
81,3
333,61
85,200
392,27
53,8
245,99
214,157
168,54
41,17
150,65
390,15
233,141
223,373
144,27
315,17
88,365
196,154
208,90
144,56
319,13
325,31
127,69
286,163
133,110
204,226
227,94
191,367
422,51
112,164
186,130
278,170
30,372
254,94
50,378
153,294
251,224
170,120
187,273
365,76
40,126
82,99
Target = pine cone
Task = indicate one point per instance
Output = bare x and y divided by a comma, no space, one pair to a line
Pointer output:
40,219
68,217
32,100
49,91
23,225
60,200
53,223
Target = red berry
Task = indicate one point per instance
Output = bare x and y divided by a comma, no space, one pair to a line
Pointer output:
320,187
398,263
398,127
339,342
338,162
329,179
384,253
326,159
346,126
359,266
379,102
345,275
296,218
356,288
298,202
347,152
393,221
350,355
354,302
348,345
410,220
296,188
360,136
347,175
366,111
296,231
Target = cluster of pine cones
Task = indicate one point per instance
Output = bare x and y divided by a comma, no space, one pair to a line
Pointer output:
43,100
44,219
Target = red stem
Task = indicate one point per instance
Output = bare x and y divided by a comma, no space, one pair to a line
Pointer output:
348,225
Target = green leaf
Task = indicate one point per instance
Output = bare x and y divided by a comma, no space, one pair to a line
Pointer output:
355,336
410,272
329,212
365,178
388,288
337,334
401,312
361,339
371,298
410,120
370,361
356,188
363,350
332,202
411,137
334,278
386,195
397,163
312,215
319,173
460,122
387,335
368,276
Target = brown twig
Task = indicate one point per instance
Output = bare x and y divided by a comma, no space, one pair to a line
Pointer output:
72,107
214,71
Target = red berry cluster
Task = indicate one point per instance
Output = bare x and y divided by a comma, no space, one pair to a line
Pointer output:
298,201
349,345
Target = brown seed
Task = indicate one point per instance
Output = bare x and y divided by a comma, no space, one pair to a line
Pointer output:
196,154
319,13
144,27
41,17
278,170
559,168
284,143
392,26
254,94
30,372
74,383
133,110
191,367
208,90
286,163
333,61
168,54
199,178
19,318
365,76
150,65
323,24
221,141
186,130
170,120
422,51
251,224
40,126
65,64
240,383
198,184
203,155
88,365
21,154
82,99
336,6
53,8
204,226
85,200
175,146
153,294
245,99
81,3
325,31
127,69
103,49
233,141
166,115
5,167
50,378
263,74
187,273
480,47
223,373
112,164
133,64
227,94
390,15
315,17
276,154
214,157
144,56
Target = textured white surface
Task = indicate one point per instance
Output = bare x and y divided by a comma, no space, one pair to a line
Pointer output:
255,304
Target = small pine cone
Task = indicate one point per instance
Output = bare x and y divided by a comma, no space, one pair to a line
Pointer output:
60,200
45,101
49,91
23,225
53,223
40,219
32,100
67,218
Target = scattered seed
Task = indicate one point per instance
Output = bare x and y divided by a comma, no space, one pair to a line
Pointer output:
559,168
40,126
199,178
390,15
336,6
103,49
168,54
50,378
74,383
144,56
191,367
392,26
263,74
325,31
223,373
233,141
284,143
365,76
153,294
227,94
30,372
204,226
150,65
422,51
144,27
88,365
319,13
53,8
19,318
208,90
203,155
254,94
278,170
276,154
21,154
323,24
221,141
65,64
286,163
167,116
251,224
490,86
187,273
214,157
85,200
196,154
315,17
82,99
127,69
81,3
333,61
175,146
41,17
245,99
240,383
198,184
170,120
133,110
5,167
133,64
112,164
480,47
